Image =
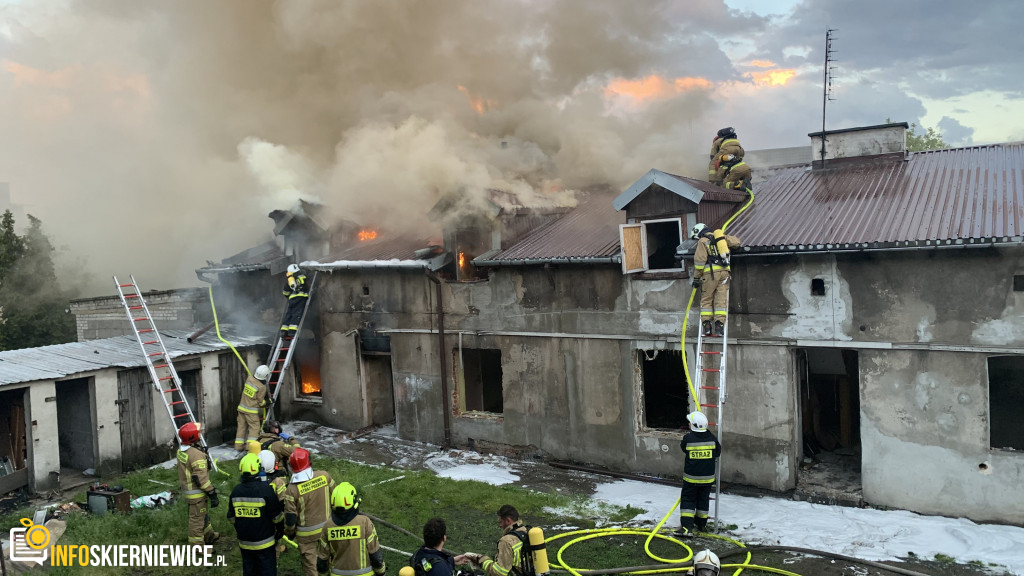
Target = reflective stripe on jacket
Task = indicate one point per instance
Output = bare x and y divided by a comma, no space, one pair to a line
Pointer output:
193,475
701,451
254,395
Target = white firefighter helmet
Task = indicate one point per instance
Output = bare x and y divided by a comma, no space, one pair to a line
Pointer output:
262,372
268,461
292,268
706,563
697,230
698,421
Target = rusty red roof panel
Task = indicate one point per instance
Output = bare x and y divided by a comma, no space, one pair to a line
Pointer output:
936,197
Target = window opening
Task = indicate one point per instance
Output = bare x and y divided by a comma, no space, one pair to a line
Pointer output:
666,398
817,287
1018,283
481,369
1006,402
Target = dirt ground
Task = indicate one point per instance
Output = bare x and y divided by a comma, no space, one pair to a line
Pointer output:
383,447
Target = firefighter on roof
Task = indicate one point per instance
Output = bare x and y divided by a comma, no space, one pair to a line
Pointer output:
725,143
307,507
711,272
348,544
734,173
196,487
298,294
254,397
258,516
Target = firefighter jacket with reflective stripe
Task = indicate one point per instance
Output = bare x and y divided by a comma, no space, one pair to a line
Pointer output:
510,553
729,146
432,562
295,287
257,513
352,548
307,505
733,176
701,451
279,483
281,448
705,255
254,396
193,473
712,164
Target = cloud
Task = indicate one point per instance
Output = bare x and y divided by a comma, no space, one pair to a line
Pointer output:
955,133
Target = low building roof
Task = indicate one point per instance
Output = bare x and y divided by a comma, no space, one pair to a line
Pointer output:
66,360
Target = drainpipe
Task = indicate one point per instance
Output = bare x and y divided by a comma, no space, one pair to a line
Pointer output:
444,365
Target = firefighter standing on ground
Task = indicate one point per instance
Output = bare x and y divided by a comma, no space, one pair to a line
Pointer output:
307,507
348,544
701,450
275,476
711,272
196,487
298,294
254,398
258,516
510,546
273,438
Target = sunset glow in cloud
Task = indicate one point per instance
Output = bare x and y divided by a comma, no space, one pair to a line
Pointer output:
653,87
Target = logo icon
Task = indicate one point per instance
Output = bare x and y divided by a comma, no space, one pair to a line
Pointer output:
30,543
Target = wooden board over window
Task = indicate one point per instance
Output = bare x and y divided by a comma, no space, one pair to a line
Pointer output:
634,248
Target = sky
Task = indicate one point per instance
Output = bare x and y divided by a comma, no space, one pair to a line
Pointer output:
151,137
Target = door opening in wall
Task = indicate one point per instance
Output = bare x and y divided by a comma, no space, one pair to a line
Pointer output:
75,432
481,384
829,391
665,395
13,440
379,388
1006,402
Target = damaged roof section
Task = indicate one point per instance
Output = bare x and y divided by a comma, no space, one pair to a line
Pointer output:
960,196
385,252
64,360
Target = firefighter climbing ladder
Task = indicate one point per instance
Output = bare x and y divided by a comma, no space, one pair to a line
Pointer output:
281,356
161,369
710,366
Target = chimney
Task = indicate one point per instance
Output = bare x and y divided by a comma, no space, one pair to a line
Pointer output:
861,142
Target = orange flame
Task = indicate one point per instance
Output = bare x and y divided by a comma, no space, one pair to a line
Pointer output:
310,382
367,235
478,103
462,259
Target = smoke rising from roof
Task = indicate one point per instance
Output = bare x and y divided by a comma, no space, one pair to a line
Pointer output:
151,138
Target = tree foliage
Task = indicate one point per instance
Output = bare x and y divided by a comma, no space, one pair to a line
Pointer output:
32,304
931,139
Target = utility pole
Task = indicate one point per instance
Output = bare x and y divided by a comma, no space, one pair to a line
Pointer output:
826,87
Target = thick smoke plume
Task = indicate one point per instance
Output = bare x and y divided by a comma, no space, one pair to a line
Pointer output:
152,137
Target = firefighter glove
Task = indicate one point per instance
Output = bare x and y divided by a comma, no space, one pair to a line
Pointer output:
695,282
214,499
285,435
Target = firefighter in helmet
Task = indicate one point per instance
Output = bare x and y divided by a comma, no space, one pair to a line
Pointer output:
705,563
734,173
258,516
196,487
254,398
701,450
711,272
297,291
725,143
307,507
349,543
278,441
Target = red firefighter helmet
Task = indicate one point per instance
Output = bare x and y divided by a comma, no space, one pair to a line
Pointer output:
299,460
189,433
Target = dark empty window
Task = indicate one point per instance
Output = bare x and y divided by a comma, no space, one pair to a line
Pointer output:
1018,283
1006,402
664,388
817,287
481,369
662,240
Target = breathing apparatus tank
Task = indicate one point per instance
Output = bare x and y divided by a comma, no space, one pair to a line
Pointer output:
540,552
721,246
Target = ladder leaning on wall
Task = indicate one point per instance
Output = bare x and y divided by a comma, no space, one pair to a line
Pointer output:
281,355
161,369
709,365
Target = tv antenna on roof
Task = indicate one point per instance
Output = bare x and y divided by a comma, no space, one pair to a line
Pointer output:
826,86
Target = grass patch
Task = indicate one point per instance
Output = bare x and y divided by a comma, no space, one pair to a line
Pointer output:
945,559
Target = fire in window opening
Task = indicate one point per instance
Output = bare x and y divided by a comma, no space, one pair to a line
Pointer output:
307,368
367,235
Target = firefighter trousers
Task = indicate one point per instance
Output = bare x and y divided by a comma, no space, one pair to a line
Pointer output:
259,562
199,527
307,553
694,502
248,429
296,306
714,295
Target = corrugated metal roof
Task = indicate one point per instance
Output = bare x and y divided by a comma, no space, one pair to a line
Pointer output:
64,360
381,248
960,195
590,230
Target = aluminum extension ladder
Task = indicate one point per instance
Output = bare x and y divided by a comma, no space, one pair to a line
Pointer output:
161,369
281,355
710,365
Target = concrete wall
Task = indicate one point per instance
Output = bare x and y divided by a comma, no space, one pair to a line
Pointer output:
45,451
887,139
108,432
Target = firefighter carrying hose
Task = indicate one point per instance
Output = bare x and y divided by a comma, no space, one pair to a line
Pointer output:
348,544
734,173
725,143
711,272
307,507
296,290
196,487
254,397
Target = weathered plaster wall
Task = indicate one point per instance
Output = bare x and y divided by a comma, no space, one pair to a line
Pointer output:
108,431
924,435
45,453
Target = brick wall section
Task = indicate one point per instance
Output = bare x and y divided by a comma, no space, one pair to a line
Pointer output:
104,316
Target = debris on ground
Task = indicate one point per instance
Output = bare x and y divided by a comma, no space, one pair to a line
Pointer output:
153,500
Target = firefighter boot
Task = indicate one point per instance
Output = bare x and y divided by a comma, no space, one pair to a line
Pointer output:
706,327
719,328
